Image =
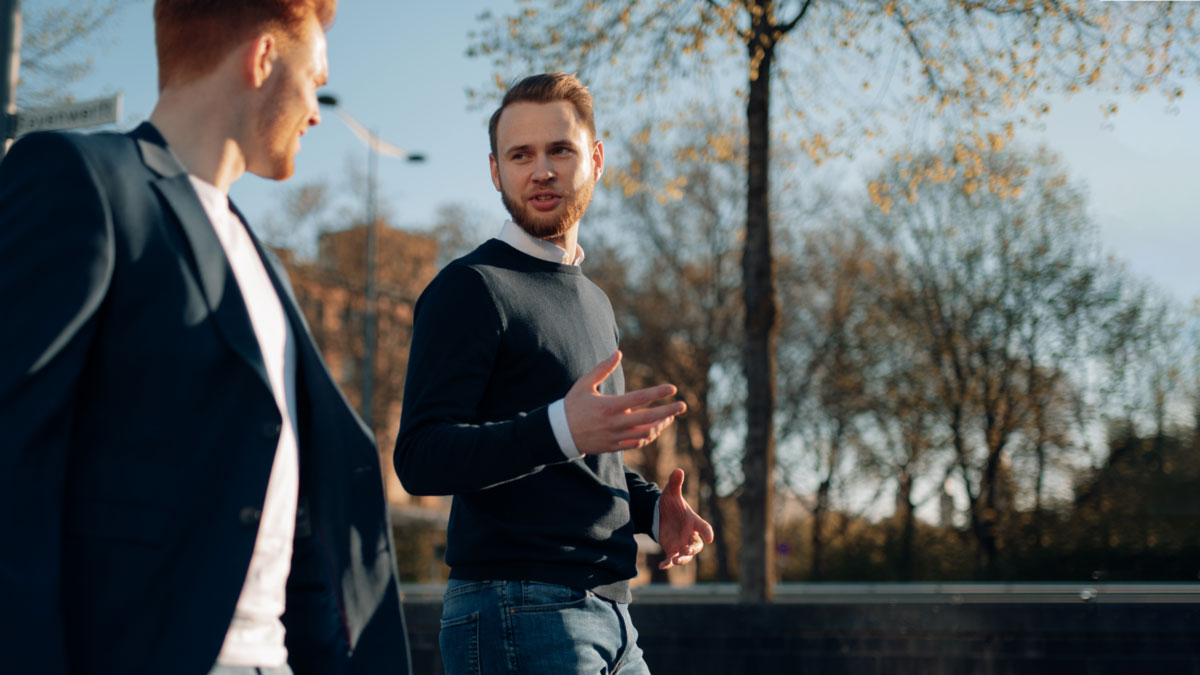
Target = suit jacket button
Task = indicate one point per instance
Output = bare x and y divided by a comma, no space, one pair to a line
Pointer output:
250,515
271,429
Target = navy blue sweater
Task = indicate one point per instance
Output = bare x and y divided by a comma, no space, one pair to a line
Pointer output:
500,335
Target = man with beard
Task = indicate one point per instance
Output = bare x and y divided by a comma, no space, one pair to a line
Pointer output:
185,488
514,404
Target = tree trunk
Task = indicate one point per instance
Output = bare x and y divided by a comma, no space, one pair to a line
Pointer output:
708,478
905,511
817,569
757,578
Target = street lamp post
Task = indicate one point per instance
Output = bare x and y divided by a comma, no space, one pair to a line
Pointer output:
375,147
10,62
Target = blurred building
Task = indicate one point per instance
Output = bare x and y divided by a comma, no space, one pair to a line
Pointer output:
331,294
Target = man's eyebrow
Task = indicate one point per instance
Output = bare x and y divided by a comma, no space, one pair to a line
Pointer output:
527,146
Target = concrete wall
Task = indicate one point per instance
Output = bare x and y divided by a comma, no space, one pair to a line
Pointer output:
1019,635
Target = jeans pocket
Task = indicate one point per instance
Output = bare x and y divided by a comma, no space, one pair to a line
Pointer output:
459,644
562,630
540,597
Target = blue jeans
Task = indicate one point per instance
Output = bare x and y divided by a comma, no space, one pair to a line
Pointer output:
531,628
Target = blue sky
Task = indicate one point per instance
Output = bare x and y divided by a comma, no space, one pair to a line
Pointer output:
401,69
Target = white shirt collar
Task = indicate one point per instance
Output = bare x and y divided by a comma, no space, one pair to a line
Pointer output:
516,237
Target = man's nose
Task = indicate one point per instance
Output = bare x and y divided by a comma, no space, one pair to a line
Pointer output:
543,171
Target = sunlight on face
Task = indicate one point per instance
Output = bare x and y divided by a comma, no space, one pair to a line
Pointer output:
546,168
290,106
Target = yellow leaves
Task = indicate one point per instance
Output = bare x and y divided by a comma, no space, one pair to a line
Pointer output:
995,142
687,154
673,191
878,191
756,62
723,147
960,153
970,187
817,148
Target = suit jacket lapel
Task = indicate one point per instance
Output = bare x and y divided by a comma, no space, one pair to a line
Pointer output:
311,369
220,287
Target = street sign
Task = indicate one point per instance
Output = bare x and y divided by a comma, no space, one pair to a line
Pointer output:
67,116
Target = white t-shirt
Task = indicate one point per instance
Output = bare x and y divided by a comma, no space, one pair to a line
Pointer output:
255,637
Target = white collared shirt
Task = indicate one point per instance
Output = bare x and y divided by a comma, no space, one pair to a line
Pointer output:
515,236
255,637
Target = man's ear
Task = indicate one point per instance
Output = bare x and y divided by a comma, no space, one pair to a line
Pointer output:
495,171
258,58
597,160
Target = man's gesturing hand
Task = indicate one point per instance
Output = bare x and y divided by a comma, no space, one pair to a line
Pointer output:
601,423
681,533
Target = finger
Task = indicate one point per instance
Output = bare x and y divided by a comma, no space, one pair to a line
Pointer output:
675,484
632,444
635,439
705,530
648,432
652,415
640,397
602,370
679,560
665,565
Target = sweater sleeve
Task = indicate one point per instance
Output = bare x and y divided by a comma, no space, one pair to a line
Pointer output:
643,501
441,448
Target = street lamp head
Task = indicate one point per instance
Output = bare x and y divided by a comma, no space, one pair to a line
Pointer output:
415,157
327,99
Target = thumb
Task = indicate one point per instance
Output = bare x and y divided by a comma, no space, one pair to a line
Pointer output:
675,484
603,369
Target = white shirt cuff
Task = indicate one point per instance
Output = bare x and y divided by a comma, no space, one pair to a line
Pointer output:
654,527
562,431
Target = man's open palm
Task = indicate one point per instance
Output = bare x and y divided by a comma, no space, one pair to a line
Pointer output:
681,533
600,423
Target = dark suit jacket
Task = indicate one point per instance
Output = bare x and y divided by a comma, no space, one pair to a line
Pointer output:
138,428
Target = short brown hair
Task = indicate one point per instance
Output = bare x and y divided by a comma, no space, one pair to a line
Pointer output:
547,88
192,36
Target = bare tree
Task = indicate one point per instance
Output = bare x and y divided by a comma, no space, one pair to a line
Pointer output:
676,290
1004,287
52,57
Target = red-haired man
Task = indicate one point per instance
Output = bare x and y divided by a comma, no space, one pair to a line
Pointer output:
187,489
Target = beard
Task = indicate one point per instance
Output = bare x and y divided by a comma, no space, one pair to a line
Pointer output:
274,140
549,225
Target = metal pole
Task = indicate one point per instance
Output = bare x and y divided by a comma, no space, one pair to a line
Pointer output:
369,292
10,63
